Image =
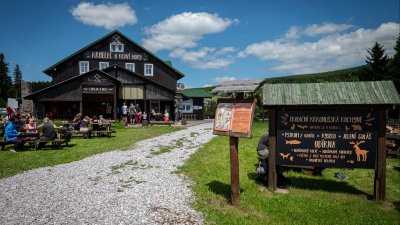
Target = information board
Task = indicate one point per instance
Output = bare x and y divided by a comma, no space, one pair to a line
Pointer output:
234,118
344,139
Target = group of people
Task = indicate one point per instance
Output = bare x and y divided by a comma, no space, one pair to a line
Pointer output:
20,129
135,115
81,123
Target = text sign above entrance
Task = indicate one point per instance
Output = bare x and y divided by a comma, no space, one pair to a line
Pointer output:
234,118
98,90
327,138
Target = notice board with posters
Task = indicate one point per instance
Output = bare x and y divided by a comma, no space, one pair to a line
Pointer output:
234,117
327,138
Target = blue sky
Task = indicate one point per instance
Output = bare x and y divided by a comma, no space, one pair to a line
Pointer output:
209,41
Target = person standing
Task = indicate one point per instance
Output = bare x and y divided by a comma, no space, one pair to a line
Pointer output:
124,110
138,114
132,113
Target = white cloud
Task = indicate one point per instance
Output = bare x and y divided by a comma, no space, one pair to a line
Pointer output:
208,85
223,79
333,51
107,15
325,28
292,33
184,30
205,58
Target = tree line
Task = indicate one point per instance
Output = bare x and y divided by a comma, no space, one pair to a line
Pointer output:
10,87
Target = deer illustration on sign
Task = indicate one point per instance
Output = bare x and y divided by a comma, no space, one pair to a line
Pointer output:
359,151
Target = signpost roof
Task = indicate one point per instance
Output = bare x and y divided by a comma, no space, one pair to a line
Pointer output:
238,86
337,93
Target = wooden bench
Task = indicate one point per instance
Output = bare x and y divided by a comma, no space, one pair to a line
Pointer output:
54,143
98,133
155,122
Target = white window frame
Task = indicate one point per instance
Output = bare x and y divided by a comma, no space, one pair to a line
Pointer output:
82,67
133,66
145,69
116,50
185,103
105,63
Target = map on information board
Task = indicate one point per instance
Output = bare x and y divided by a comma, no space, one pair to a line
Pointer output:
234,118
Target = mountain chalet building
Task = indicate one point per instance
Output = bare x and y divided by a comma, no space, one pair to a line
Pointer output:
100,77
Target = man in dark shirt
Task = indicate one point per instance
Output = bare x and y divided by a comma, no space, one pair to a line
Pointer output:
48,133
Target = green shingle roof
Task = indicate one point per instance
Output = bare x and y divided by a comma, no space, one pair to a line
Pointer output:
195,93
338,93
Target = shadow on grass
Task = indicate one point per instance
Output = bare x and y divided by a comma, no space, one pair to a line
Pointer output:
221,189
317,184
397,168
325,185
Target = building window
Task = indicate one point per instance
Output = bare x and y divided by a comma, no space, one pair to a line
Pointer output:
116,47
103,65
148,69
187,106
83,67
130,66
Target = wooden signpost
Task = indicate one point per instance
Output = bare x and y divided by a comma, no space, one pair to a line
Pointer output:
353,138
234,118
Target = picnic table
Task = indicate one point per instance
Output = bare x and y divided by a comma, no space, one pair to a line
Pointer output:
97,128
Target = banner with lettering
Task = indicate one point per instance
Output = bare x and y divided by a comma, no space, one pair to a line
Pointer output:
344,139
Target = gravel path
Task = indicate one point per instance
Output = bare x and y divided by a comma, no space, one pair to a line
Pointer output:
139,186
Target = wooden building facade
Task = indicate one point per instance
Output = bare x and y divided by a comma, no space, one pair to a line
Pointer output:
100,77
193,103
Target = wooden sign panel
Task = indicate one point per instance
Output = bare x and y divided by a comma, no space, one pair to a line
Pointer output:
344,139
234,117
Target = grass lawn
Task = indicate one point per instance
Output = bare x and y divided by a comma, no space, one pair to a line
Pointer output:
77,149
311,200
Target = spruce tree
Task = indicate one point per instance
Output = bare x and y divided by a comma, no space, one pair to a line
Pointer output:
17,84
377,63
394,66
5,81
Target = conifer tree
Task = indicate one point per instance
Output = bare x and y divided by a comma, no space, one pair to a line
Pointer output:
5,81
17,83
394,65
377,63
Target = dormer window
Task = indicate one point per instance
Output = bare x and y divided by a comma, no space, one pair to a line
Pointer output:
116,47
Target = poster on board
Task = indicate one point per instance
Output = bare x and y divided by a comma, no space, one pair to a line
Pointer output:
234,117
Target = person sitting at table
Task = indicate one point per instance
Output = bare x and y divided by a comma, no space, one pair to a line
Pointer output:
102,123
95,123
48,132
77,120
31,129
12,134
85,127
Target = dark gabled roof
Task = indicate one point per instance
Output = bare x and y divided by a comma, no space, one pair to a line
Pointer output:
102,39
337,93
134,73
238,86
70,79
195,93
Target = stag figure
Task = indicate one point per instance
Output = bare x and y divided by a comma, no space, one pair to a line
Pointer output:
359,151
